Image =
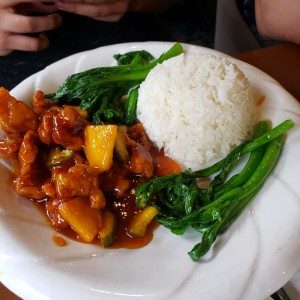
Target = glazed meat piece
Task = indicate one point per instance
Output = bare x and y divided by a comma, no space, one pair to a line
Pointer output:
46,127
116,181
29,186
138,134
39,104
33,172
63,126
68,128
139,146
52,206
141,161
79,180
49,188
28,153
16,116
10,145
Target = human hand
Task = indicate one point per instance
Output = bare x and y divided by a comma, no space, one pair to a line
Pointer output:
16,21
103,10
111,10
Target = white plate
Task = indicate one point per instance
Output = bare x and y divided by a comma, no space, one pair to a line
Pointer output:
256,256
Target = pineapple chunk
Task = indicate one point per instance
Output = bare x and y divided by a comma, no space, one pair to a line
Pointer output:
83,219
139,222
99,141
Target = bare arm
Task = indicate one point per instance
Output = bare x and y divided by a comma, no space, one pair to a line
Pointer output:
278,19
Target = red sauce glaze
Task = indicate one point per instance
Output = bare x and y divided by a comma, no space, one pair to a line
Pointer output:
123,208
49,185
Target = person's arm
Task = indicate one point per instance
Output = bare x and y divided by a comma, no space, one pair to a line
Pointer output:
112,10
278,19
16,22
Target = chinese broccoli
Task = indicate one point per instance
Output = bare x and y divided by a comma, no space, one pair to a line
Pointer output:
101,90
212,209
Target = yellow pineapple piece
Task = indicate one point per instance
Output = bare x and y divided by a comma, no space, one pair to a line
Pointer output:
99,141
83,219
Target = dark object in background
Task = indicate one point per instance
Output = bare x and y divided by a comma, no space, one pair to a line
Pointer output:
280,295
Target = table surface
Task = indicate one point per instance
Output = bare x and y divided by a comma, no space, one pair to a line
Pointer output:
282,62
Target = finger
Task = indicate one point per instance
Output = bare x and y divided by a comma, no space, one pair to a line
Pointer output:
29,24
98,2
4,52
11,3
35,7
107,11
26,43
110,18
44,8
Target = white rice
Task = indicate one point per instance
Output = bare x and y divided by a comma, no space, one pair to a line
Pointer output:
197,107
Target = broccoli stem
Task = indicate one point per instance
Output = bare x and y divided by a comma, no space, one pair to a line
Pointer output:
250,146
130,106
248,190
252,163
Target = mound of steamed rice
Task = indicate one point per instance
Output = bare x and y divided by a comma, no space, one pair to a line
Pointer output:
197,107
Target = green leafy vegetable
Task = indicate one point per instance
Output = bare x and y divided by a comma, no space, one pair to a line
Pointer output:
130,106
100,90
142,57
211,210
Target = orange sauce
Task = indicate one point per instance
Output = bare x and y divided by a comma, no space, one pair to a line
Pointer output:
260,100
59,241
